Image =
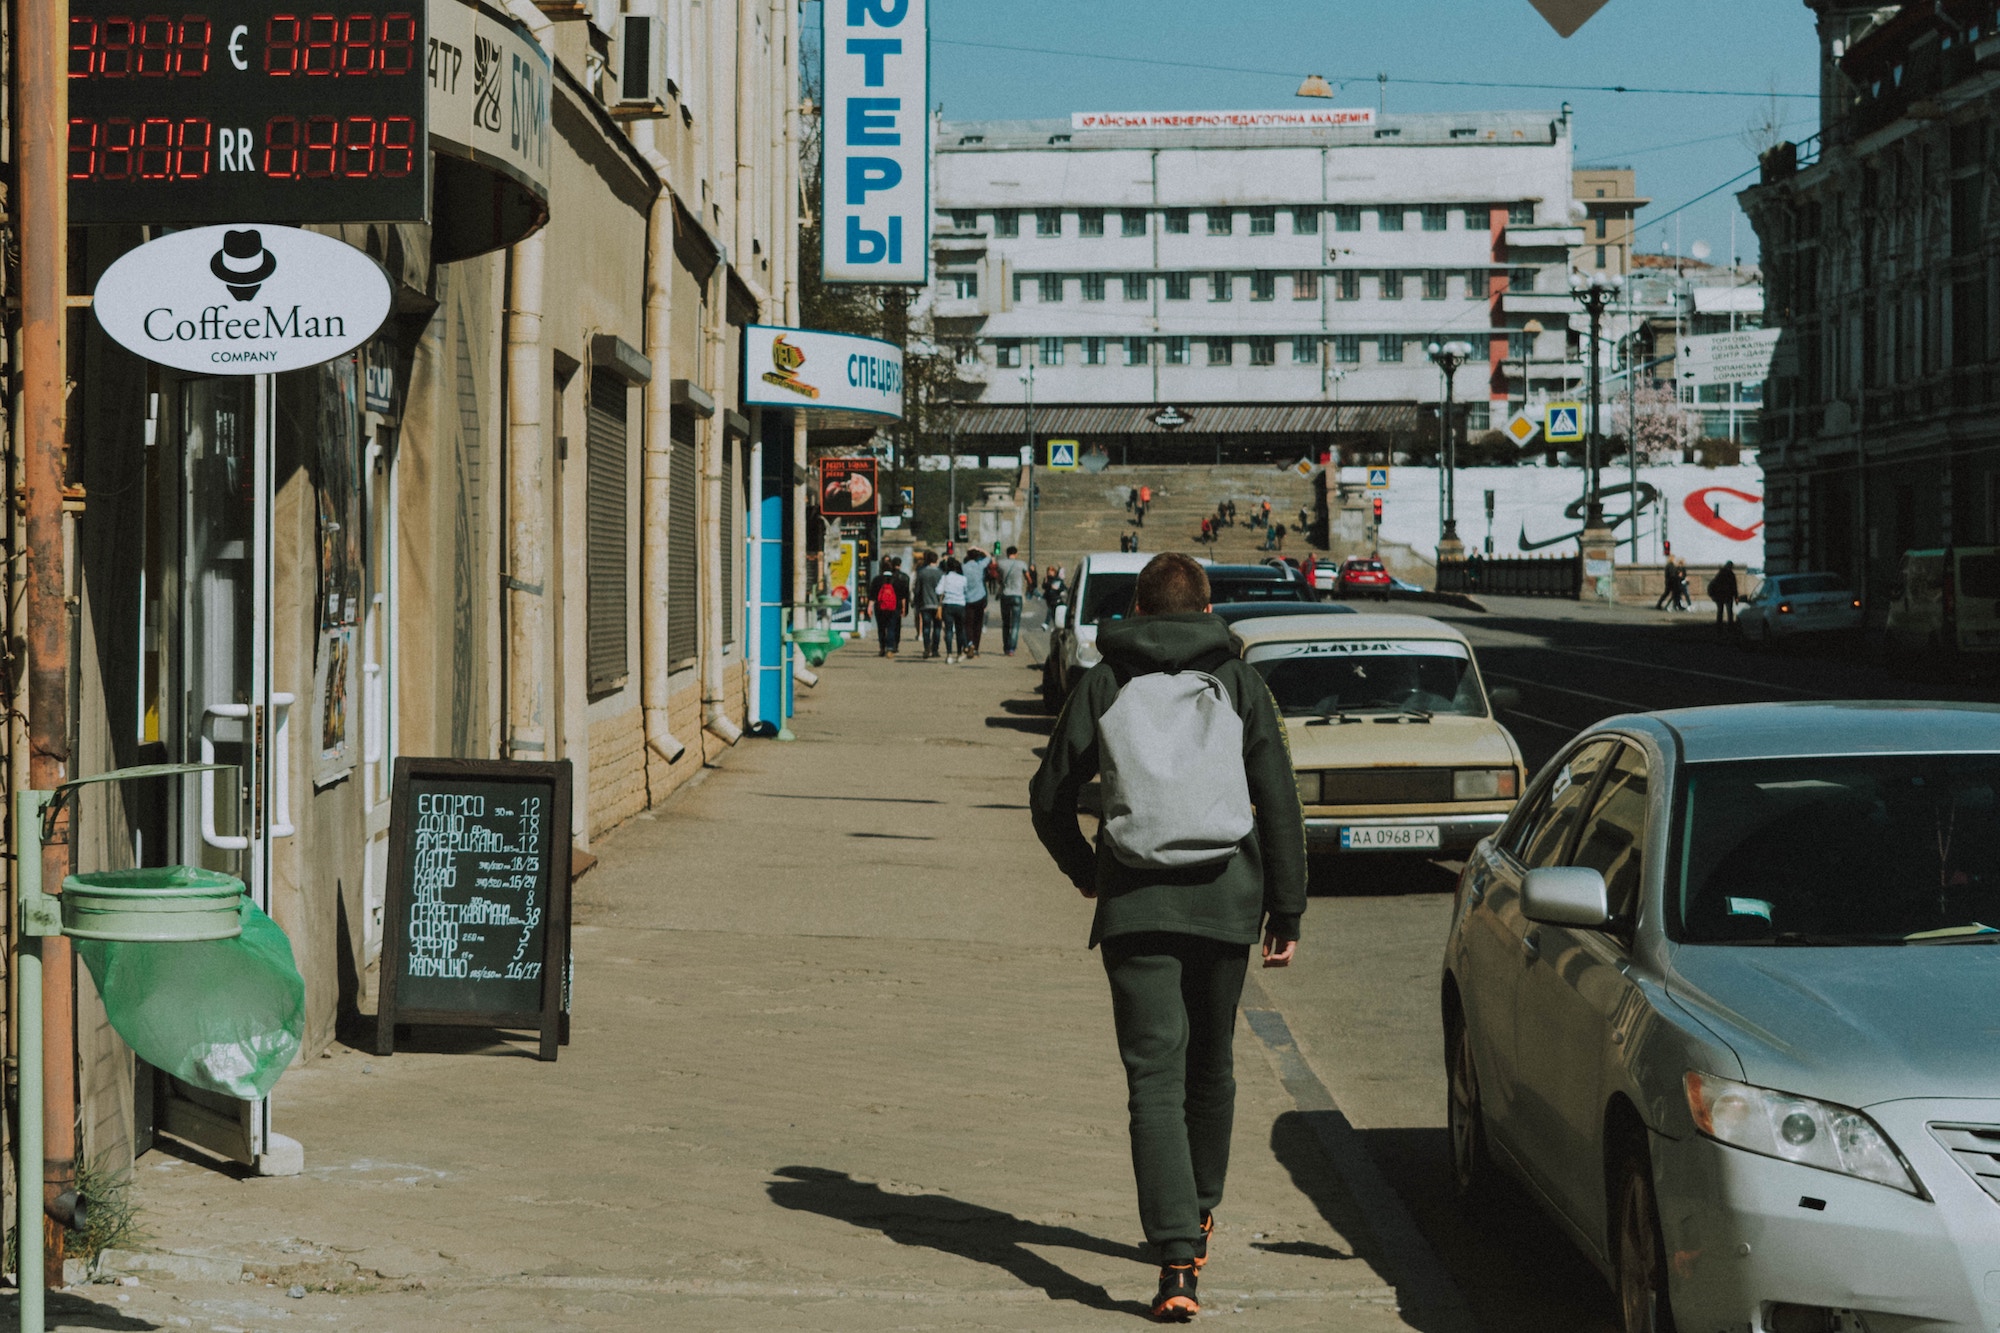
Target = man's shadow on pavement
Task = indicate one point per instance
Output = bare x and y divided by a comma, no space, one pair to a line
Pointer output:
984,1235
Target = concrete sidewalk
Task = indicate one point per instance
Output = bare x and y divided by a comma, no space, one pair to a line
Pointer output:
840,1061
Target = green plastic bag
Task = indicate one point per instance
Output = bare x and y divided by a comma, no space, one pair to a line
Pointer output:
223,1015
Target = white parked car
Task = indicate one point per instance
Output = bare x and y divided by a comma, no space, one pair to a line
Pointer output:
1101,591
1793,604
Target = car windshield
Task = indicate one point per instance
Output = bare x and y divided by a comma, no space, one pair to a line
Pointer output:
1799,585
1107,597
1329,677
1257,590
1876,849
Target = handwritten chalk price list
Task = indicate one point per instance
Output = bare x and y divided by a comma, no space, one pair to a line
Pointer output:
477,899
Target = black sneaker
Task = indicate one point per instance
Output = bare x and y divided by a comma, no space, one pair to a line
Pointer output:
1176,1302
1201,1246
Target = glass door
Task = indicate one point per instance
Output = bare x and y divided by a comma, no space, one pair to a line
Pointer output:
378,683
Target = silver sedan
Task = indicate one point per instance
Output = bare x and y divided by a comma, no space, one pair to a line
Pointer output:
1723,996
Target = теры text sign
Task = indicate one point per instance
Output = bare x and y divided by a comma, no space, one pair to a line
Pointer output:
875,194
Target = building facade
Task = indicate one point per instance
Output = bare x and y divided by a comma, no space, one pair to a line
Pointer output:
1881,256
1276,286
1611,203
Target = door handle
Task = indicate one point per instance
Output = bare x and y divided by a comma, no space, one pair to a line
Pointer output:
1531,945
371,750
281,760
228,842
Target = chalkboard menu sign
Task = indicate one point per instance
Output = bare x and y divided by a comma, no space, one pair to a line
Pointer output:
476,914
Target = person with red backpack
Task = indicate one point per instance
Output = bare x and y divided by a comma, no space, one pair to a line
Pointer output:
886,598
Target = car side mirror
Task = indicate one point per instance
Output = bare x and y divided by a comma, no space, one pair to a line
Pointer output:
1566,896
1506,696
1062,616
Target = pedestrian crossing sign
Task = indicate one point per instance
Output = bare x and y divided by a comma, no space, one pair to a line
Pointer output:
1563,424
1062,455
1378,479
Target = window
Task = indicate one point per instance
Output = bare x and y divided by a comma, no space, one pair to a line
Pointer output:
1305,285
1347,286
1600,257
1221,286
1603,227
1389,217
1007,355
1520,346
1305,349
1006,222
1049,351
1521,214
1135,351
1475,284
1221,352
1263,351
1093,286
1090,221
1132,222
1135,286
1176,351
1049,287
1305,222
1389,347
1093,351
683,541
1521,280
964,219
1221,222
1180,286
1177,221
1263,222
1392,284
1478,219
1544,838
1263,286
1347,348
965,285
606,592
1048,222
1436,217
1434,284
1347,217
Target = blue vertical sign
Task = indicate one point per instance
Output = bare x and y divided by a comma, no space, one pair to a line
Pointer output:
875,189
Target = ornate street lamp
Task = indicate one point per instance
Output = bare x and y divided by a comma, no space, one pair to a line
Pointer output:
1448,357
1595,291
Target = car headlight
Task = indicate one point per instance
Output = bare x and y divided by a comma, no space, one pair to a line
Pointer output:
1309,787
1796,1129
1483,784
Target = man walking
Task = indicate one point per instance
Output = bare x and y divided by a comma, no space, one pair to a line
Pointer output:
977,562
1671,579
1722,591
883,596
1202,848
929,605
1016,580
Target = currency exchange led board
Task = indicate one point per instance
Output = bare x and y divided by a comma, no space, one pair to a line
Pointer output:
245,110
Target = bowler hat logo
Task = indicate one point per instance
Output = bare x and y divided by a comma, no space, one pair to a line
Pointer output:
243,263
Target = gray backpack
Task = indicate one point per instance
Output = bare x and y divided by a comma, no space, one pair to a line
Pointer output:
1171,755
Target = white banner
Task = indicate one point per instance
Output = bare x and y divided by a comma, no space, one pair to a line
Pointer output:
1324,118
808,368
875,187
1743,357
489,91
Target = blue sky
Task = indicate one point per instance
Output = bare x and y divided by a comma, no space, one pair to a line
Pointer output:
1733,45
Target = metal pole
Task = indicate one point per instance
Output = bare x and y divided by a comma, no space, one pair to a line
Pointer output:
1031,466
40,184
1632,426
1593,447
29,1234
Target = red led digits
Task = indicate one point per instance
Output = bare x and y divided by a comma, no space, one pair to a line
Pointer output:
157,148
322,36
399,147
399,44
281,45
281,148
156,46
340,45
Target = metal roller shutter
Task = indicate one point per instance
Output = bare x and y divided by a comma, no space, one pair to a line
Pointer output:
730,600
608,553
683,545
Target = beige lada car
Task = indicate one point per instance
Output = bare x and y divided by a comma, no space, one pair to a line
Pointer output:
1393,737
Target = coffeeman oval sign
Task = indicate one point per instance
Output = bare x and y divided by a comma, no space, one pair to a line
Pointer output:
242,300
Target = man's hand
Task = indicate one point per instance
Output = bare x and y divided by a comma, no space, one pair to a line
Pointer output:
1277,952
1087,890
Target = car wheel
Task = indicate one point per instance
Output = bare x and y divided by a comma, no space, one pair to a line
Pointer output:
1465,1117
1640,1253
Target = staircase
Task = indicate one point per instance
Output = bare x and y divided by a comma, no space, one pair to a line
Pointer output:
1084,512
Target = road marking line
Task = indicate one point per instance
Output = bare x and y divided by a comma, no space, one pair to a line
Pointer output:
1581,694
1687,671
1563,727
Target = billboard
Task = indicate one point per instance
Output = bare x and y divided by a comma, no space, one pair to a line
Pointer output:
1747,356
847,488
875,179
1324,118
811,369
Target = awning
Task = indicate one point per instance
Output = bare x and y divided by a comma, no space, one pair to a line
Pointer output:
1203,419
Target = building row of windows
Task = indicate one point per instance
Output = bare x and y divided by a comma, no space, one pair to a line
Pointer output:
1433,284
1221,221
1303,349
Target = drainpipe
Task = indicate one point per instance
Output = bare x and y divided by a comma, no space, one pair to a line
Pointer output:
714,712
800,671
655,664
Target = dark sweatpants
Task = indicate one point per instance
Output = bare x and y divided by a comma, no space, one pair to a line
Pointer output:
1173,999
975,623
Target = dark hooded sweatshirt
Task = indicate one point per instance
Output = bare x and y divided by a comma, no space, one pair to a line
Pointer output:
1230,900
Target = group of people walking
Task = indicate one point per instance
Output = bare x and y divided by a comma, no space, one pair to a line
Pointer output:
1723,590
950,599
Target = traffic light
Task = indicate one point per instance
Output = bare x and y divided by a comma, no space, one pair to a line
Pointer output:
1378,509
963,525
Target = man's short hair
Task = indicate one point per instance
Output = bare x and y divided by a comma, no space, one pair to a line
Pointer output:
1171,584
1013,550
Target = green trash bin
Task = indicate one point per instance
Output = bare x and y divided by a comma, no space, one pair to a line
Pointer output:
153,904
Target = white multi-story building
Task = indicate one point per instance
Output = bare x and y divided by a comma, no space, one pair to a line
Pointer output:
1277,286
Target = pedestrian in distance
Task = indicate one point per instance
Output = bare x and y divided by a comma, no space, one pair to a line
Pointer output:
1132,501
978,569
1201,853
1053,591
1207,532
1722,591
1016,580
1145,503
1672,579
951,596
928,602
902,587
888,608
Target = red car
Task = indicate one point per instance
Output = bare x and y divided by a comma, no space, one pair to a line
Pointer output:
1362,575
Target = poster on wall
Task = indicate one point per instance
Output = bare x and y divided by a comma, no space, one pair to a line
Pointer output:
336,470
847,488
842,583
334,690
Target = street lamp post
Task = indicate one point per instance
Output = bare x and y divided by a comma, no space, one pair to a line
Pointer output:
1448,357
1599,546
1530,331
1029,380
